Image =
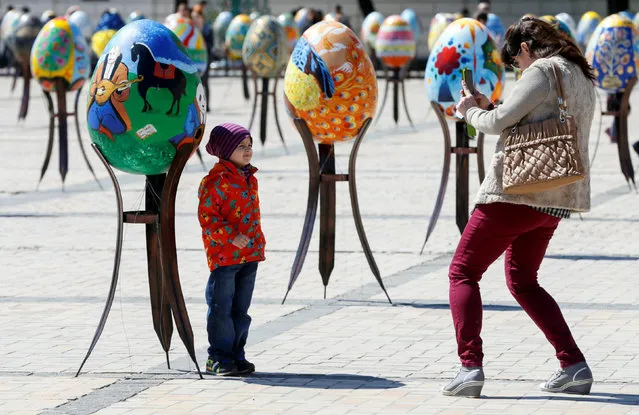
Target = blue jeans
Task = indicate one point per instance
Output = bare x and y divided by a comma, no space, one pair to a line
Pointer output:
228,294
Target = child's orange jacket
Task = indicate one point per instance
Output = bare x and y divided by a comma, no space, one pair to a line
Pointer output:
230,206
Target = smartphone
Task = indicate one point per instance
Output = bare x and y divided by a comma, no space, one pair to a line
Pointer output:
467,76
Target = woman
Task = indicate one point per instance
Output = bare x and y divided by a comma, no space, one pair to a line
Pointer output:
522,225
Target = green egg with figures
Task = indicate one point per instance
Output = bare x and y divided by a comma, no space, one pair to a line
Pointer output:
145,99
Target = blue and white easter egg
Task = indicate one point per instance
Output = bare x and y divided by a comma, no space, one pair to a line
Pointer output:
496,28
560,25
566,18
235,35
370,27
586,27
465,44
220,26
411,18
82,19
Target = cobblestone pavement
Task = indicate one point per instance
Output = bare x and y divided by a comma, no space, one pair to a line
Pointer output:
349,353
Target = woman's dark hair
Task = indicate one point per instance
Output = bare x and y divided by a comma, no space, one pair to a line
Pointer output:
544,41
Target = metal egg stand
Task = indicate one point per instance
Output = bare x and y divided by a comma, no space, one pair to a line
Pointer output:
396,77
621,123
321,187
167,300
61,115
264,93
462,151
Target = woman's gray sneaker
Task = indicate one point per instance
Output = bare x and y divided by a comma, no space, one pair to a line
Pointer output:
468,383
576,378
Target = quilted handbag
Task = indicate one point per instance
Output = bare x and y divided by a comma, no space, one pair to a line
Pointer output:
542,155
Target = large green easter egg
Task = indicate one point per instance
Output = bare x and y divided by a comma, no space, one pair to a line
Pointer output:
145,100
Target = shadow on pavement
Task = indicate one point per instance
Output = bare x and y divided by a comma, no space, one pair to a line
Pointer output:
320,381
595,397
445,306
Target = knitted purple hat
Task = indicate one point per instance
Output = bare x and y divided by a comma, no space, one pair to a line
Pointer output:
225,138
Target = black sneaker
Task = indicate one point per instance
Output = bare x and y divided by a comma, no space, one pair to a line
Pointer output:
636,147
220,368
244,367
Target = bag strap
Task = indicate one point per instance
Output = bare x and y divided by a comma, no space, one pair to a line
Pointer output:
561,97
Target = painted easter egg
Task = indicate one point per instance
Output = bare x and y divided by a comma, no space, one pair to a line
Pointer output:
193,40
559,25
411,18
145,99
81,19
628,14
566,18
60,52
370,28
304,19
330,82
438,24
174,19
395,45
496,29
100,39
329,17
465,44
111,20
135,16
336,17
46,16
265,49
586,27
9,23
21,40
290,28
236,34
220,26
613,52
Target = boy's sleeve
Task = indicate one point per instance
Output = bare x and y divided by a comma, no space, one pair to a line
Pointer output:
214,227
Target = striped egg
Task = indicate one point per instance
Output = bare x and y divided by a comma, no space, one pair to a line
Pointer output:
193,40
395,45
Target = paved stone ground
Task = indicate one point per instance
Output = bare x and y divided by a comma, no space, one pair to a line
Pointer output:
349,353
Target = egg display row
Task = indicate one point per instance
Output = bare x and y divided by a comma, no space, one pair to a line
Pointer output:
146,98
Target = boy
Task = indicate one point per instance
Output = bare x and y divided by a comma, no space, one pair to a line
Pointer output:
229,214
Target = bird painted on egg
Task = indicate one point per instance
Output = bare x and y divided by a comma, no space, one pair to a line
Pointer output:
312,76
